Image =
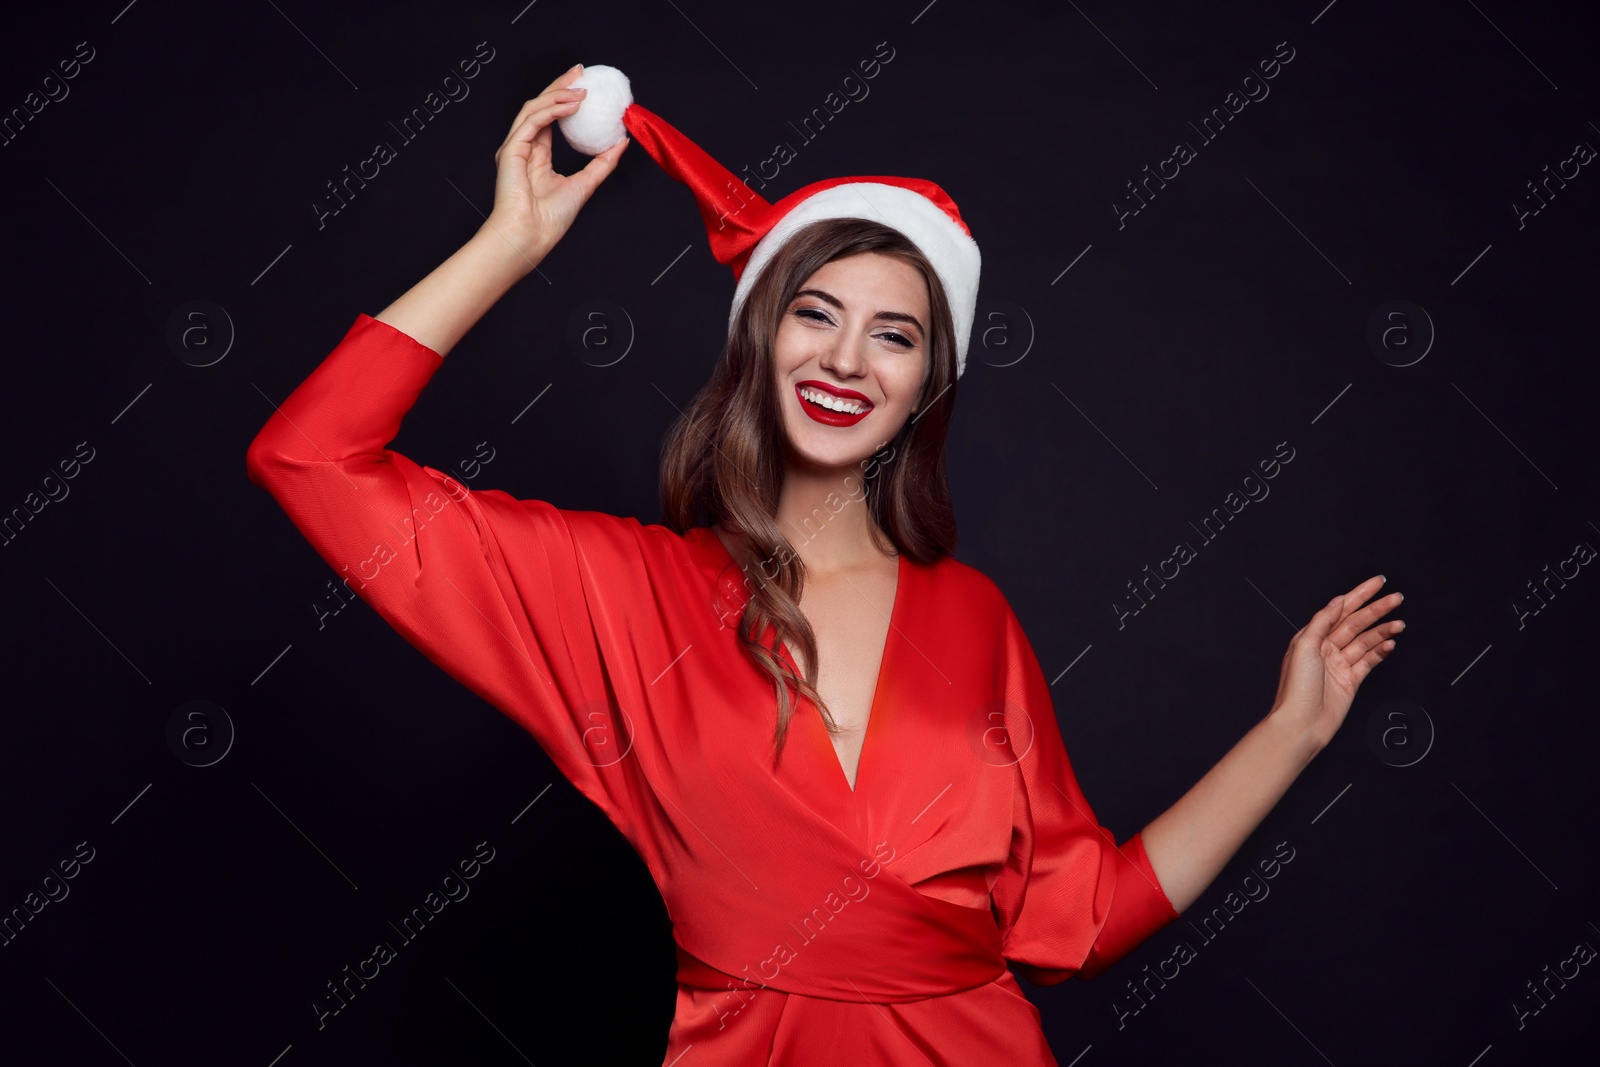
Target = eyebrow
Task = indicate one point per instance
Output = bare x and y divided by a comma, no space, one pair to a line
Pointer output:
888,316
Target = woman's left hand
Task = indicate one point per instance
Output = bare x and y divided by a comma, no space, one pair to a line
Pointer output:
1328,659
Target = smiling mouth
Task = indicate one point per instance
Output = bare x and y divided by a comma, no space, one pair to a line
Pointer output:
831,410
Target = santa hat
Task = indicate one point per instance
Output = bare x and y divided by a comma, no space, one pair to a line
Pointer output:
746,231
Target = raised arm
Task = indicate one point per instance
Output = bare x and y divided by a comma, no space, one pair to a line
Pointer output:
1193,840
490,588
533,208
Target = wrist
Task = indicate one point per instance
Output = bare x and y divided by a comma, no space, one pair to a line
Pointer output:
503,254
1295,733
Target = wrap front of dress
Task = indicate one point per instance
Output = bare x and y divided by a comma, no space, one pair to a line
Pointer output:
814,922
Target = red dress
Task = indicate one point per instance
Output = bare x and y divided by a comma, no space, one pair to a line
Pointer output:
814,923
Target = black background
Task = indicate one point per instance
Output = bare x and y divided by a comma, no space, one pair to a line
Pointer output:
1105,407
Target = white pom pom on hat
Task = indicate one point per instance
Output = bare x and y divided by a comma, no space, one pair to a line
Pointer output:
597,124
745,231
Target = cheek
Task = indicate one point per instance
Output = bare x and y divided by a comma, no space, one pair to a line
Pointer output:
792,347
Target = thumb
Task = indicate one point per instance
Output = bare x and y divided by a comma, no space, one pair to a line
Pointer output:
599,168
1322,622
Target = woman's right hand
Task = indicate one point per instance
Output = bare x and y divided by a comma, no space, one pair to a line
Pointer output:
533,205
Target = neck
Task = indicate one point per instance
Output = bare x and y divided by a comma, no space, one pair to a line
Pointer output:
823,512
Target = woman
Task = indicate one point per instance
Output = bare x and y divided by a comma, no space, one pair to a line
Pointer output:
843,769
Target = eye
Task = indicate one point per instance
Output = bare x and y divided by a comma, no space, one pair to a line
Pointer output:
812,312
904,342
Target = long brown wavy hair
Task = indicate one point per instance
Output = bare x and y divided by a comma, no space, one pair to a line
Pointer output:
722,460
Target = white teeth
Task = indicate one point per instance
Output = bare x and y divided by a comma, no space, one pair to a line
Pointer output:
833,403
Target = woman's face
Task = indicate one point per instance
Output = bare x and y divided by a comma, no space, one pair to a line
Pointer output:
855,332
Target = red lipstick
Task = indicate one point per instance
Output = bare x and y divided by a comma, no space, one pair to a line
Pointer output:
826,415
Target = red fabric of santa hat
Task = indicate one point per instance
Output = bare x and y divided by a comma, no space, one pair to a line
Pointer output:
745,230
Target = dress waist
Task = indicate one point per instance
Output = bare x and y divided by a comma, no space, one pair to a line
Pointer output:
906,958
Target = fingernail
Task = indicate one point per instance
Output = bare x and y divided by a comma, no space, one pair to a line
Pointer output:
1335,600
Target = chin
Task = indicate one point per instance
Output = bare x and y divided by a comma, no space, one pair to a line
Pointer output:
807,450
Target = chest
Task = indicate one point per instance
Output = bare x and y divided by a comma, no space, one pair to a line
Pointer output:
850,618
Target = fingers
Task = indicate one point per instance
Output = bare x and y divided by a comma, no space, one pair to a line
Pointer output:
542,108
598,168
566,77
1316,631
555,91
1365,665
1357,621
1378,635
528,147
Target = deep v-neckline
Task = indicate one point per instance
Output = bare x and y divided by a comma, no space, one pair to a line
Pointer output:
873,716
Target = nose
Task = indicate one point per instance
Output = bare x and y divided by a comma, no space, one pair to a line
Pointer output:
846,356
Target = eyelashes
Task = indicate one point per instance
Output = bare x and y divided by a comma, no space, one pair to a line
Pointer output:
818,316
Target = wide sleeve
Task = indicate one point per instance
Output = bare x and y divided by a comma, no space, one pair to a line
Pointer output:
507,596
1076,901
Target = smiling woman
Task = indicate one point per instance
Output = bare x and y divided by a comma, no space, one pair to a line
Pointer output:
935,765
